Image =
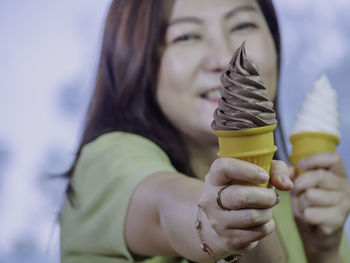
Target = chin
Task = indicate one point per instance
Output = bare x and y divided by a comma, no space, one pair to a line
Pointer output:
206,123
206,133
210,138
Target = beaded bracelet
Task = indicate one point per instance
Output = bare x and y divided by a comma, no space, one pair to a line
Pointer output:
204,247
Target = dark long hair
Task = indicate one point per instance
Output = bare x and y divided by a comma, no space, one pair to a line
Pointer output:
124,97
268,10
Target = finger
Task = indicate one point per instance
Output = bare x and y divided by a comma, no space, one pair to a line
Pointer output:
292,172
314,197
280,175
242,219
319,160
240,239
295,206
241,196
319,179
331,217
224,170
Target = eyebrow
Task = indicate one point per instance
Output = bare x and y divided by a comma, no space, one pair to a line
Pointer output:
233,12
186,20
236,10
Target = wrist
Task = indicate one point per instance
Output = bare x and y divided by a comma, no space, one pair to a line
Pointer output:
232,258
324,257
323,253
318,246
181,230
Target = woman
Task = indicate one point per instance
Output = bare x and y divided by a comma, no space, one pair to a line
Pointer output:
148,154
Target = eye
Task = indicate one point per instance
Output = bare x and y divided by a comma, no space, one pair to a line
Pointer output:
186,37
243,26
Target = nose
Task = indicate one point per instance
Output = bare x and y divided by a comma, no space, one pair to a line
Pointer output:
218,53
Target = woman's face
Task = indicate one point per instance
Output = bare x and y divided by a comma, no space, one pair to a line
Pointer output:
200,41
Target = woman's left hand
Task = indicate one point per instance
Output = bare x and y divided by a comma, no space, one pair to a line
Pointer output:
321,204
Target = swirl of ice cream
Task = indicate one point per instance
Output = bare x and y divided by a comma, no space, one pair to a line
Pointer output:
319,113
244,103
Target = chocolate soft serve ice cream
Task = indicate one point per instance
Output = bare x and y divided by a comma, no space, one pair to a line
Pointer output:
244,103
245,120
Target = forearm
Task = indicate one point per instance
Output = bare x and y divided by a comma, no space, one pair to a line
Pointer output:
161,217
163,211
177,212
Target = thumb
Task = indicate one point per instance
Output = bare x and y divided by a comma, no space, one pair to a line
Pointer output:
280,176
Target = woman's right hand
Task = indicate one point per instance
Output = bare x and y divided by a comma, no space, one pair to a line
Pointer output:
249,218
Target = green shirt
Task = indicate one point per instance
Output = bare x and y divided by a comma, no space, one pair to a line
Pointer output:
107,173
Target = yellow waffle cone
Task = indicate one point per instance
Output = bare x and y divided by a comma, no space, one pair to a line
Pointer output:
308,143
254,145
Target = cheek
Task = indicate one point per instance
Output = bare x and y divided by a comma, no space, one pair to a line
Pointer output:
177,91
174,86
173,77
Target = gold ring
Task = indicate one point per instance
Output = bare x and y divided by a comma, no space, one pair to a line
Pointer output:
218,198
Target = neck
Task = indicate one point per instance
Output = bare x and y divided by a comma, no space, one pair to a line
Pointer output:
202,155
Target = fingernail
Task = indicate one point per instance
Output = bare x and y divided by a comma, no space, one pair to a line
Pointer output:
264,175
291,170
286,180
302,165
278,198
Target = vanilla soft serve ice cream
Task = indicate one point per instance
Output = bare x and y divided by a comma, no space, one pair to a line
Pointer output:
317,127
319,113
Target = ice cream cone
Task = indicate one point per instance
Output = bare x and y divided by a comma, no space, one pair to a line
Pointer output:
308,143
255,145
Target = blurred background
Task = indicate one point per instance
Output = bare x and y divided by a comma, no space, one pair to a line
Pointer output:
48,58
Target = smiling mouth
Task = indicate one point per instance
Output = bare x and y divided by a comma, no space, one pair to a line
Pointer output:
212,95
